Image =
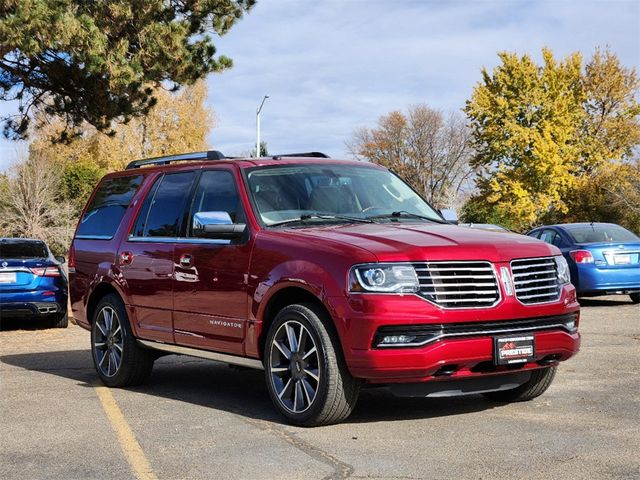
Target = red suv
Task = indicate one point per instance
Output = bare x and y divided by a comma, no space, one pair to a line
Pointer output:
327,274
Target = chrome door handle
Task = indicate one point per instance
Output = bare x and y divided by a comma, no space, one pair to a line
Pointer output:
186,260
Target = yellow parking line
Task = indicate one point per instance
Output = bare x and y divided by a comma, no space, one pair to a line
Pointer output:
130,446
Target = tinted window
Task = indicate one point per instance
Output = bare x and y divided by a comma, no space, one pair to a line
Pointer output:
168,205
601,233
217,192
104,213
141,221
552,237
13,249
286,193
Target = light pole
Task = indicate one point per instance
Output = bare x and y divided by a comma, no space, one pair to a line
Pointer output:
258,125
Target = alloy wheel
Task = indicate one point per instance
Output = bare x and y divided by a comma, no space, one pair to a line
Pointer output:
294,367
108,342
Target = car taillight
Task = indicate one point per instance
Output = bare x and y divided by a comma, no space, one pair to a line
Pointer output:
46,271
71,261
581,256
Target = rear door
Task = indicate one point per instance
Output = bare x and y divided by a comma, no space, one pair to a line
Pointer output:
210,281
146,256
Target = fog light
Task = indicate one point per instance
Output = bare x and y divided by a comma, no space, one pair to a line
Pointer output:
394,339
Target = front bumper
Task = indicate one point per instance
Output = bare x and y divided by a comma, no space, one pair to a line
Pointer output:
448,357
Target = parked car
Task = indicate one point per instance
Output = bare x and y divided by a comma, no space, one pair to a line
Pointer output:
327,274
603,258
33,284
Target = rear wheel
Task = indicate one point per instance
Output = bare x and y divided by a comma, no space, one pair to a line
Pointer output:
118,359
635,297
307,378
60,321
538,383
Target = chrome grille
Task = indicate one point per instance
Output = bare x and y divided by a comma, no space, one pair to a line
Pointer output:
458,284
535,280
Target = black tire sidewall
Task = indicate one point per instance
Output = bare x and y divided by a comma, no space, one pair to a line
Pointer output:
312,323
128,345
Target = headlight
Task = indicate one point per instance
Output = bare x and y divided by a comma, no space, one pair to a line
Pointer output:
383,278
562,268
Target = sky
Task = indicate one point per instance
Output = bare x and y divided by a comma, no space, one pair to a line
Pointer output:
332,66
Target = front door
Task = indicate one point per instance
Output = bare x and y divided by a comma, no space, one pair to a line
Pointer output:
210,280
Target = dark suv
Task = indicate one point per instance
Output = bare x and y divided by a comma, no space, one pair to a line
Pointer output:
327,274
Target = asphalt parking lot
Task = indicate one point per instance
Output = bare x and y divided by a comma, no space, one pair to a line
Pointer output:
199,419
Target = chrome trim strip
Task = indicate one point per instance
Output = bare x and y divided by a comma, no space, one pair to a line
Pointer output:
181,240
479,333
93,237
196,352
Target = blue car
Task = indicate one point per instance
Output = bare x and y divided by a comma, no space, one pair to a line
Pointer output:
32,282
603,258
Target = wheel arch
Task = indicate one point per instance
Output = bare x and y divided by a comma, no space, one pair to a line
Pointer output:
99,292
291,295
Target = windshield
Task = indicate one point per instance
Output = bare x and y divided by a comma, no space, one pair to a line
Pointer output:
25,249
601,233
332,192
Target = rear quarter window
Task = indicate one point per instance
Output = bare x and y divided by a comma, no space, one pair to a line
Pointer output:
107,207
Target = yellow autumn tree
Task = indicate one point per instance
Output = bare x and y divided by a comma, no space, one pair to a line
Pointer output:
179,122
543,134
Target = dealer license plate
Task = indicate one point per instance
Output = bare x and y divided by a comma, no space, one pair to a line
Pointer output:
510,350
622,259
7,277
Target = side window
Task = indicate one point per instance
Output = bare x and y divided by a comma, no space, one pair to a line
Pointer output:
166,210
535,234
104,214
217,192
551,237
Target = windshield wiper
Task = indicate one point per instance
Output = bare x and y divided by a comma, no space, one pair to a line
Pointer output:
405,213
311,216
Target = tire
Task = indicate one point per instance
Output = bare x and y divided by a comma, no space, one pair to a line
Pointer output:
312,386
635,297
538,383
60,320
118,359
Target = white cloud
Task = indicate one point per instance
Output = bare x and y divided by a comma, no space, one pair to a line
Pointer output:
331,66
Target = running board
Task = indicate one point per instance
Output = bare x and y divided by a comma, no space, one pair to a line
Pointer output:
196,352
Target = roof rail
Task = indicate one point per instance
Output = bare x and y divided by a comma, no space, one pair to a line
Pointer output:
307,154
183,157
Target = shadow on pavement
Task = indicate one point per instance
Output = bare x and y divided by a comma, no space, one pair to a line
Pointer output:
7,324
242,392
604,302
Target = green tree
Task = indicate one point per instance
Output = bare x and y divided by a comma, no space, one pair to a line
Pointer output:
178,123
543,132
99,61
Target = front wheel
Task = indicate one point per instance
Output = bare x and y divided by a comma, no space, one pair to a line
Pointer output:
118,359
307,378
635,297
538,383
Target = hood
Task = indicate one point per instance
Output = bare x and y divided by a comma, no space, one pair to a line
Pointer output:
421,241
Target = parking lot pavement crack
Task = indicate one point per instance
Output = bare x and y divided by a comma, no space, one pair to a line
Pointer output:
341,469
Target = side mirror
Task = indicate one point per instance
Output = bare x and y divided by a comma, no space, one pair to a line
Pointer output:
216,225
450,215
60,259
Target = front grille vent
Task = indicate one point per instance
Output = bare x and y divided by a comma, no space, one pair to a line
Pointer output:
536,280
458,284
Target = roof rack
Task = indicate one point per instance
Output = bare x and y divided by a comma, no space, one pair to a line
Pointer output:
307,154
184,157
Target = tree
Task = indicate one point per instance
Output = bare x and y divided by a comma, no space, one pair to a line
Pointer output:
99,62
429,150
178,123
541,133
33,208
